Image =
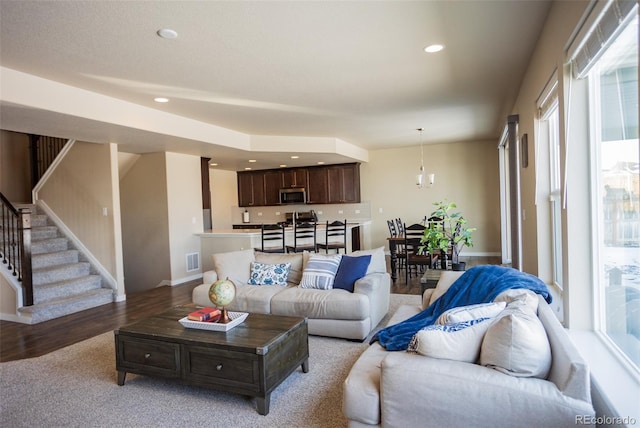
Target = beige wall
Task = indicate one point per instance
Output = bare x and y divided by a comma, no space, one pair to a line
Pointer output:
547,60
79,191
15,181
184,197
224,196
465,173
145,223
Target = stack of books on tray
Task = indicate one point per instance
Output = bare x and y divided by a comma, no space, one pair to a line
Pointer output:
205,315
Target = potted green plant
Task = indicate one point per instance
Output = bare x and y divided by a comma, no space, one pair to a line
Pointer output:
450,231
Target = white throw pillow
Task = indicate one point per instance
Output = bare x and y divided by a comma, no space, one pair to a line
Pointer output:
320,271
460,341
516,343
378,263
235,265
471,312
447,278
528,297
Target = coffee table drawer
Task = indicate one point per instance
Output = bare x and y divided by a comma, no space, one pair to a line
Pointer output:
146,356
221,367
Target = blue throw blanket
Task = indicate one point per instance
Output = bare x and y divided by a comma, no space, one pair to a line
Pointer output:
480,284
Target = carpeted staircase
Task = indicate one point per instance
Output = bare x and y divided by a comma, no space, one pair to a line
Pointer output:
63,283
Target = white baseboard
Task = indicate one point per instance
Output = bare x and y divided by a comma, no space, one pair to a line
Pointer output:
174,282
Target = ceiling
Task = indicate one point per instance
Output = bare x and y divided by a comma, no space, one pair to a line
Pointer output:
329,79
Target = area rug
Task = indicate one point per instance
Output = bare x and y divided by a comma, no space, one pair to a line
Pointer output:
76,387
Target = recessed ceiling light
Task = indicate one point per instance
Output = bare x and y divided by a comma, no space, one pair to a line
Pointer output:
213,164
283,165
433,48
247,168
320,163
252,161
167,33
295,157
161,100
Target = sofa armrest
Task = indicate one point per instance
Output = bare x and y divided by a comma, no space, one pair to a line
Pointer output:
426,297
209,277
377,287
429,392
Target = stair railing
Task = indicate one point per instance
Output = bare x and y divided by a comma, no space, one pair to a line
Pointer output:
15,250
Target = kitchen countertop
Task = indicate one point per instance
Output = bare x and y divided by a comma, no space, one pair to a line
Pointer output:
210,233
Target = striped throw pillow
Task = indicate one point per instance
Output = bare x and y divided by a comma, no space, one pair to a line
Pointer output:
320,271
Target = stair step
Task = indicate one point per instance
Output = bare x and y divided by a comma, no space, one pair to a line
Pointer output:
44,260
49,245
68,305
38,220
68,288
60,273
40,233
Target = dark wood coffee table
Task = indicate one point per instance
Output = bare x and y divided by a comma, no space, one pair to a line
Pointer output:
252,358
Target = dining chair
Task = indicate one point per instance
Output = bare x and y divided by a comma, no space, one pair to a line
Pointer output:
304,237
393,232
272,239
335,237
413,257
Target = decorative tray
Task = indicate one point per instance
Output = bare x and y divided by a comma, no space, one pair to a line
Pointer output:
236,318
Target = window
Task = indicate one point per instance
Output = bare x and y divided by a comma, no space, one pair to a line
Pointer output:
613,93
549,131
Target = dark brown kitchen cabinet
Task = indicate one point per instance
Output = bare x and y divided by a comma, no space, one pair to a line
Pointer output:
317,185
343,184
272,186
330,184
294,177
251,189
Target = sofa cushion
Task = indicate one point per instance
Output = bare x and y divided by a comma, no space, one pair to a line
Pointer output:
459,341
235,265
295,272
378,263
350,270
471,312
265,274
516,343
254,298
320,271
320,304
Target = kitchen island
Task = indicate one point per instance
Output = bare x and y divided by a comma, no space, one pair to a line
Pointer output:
215,241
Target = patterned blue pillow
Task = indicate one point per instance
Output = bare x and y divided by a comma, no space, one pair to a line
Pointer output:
320,271
264,274
447,328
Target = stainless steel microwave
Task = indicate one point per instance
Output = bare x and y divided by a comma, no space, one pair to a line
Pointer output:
294,195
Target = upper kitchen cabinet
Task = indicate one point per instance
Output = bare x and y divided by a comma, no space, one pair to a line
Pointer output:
251,189
317,185
272,186
294,177
343,183
331,184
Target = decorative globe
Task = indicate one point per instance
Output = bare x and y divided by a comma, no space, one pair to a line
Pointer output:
222,292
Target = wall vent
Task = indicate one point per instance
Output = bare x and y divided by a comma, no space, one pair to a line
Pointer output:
193,262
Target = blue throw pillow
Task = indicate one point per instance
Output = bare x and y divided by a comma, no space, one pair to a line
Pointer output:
350,270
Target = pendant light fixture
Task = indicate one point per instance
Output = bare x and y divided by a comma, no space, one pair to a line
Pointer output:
420,177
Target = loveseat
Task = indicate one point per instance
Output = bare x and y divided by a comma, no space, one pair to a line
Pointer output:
350,312
399,389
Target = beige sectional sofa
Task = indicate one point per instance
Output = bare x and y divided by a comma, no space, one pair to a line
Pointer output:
401,389
334,312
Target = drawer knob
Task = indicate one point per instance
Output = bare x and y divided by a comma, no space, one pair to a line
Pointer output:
147,356
219,367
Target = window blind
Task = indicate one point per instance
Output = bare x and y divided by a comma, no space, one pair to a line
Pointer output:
602,24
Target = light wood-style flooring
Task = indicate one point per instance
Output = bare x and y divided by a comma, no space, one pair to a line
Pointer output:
18,341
